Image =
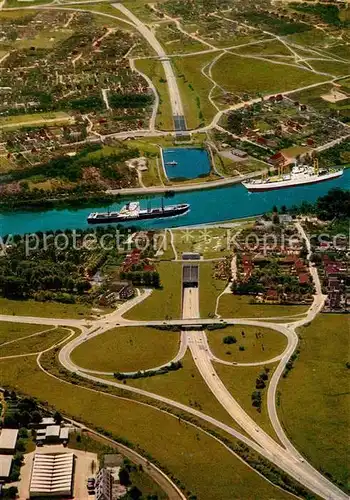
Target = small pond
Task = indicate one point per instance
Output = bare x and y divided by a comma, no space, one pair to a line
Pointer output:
186,163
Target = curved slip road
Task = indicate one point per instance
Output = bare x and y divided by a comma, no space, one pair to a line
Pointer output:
287,457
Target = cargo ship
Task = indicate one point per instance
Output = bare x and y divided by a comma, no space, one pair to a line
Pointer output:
132,212
299,176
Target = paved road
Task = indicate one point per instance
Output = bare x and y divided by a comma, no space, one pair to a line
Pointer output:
286,457
174,93
190,303
152,125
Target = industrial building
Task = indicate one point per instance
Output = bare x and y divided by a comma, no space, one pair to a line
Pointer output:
52,434
8,439
52,475
104,485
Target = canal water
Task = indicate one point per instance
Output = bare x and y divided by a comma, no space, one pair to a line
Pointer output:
207,206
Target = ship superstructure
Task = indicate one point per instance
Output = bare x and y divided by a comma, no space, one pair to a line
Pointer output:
132,212
300,175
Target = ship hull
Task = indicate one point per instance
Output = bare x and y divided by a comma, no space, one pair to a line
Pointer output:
156,213
290,183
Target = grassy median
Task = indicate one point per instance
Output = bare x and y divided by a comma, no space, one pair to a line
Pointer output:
127,349
241,383
246,344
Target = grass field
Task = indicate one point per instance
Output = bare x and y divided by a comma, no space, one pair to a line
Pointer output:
189,455
209,289
176,42
209,242
44,39
313,38
232,306
104,8
260,344
16,14
16,121
268,47
43,309
240,381
11,331
33,344
127,349
194,89
268,77
164,303
332,67
142,10
186,386
314,398
17,3
154,70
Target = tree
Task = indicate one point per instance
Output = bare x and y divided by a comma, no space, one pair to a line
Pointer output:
124,477
134,493
58,418
230,339
21,446
36,417
23,433
10,492
275,219
260,384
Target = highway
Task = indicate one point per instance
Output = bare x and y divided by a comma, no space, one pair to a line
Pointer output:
174,93
286,457
283,454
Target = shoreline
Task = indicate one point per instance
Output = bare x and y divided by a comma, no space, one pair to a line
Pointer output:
116,195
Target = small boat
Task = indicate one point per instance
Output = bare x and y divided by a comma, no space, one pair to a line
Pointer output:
131,212
171,163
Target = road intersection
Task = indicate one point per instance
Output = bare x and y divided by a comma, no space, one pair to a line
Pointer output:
282,452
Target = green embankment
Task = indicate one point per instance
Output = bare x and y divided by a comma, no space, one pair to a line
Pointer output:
164,303
236,306
315,396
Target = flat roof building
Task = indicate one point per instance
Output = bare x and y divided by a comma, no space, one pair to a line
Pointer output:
52,475
5,466
53,434
8,439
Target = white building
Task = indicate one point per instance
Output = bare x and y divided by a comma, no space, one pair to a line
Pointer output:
5,466
52,474
8,439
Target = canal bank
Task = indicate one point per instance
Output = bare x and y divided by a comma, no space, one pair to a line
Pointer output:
207,206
